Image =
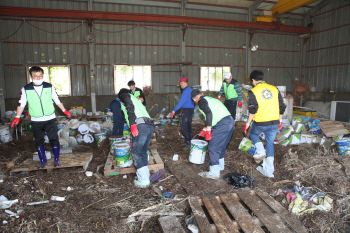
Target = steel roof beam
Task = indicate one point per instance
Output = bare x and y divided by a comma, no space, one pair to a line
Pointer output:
113,16
252,8
315,10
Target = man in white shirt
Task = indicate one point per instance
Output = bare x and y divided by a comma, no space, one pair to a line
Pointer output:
39,95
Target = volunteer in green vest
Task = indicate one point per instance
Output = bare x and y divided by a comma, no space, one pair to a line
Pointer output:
142,128
137,92
266,108
232,92
218,131
40,96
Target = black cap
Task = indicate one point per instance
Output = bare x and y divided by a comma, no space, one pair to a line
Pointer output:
195,92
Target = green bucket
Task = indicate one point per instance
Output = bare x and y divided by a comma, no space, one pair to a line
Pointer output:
126,132
123,160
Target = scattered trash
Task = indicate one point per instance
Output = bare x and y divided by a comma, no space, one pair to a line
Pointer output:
168,195
238,180
37,203
175,157
247,146
299,201
189,219
5,203
161,188
69,189
10,213
88,173
193,228
125,176
4,222
158,176
57,198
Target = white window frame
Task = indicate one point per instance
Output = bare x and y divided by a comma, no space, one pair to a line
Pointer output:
115,81
209,66
48,68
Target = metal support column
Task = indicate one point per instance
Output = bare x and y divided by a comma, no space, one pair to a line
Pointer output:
183,42
90,38
2,85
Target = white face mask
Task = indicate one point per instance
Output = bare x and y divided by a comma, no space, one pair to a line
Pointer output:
38,82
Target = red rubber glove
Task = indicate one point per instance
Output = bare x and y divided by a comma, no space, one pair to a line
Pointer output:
15,121
219,97
202,133
208,135
280,125
134,130
245,128
66,112
240,104
172,114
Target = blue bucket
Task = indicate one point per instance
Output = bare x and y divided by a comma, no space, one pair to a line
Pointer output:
163,122
126,127
344,150
343,142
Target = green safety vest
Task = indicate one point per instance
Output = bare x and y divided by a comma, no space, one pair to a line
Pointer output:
139,108
230,91
137,93
40,106
217,108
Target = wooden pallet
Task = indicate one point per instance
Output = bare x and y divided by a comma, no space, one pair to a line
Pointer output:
66,160
233,212
155,163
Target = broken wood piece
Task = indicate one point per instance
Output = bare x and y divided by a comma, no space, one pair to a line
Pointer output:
98,177
282,182
11,164
162,213
148,208
118,201
170,224
165,178
295,168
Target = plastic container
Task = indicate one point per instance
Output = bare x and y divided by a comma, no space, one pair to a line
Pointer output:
112,140
107,110
343,142
79,138
344,150
163,122
88,138
8,114
72,131
100,137
63,143
126,127
126,132
83,129
198,151
5,135
123,161
175,121
121,149
247,146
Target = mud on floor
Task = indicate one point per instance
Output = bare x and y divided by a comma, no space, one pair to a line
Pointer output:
96,205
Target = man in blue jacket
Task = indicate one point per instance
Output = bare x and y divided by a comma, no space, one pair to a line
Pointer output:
187,105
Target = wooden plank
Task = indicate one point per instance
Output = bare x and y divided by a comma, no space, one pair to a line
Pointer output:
109,162
156,156
66,160
240,213
270,220
223,215
201,219
170,224
11,164
283,212
215,216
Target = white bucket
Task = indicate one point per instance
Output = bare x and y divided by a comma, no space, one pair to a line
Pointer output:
88,138
8,114
198,150
5,135
247,146
83,129
283,90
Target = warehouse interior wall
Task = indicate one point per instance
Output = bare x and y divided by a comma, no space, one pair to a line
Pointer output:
42,41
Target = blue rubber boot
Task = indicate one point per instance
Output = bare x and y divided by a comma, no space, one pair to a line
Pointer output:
42,156
56,153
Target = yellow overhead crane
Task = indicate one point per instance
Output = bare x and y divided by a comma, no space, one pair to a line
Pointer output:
281,7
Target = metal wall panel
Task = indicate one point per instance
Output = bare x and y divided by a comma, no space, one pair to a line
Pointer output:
138,44
328,69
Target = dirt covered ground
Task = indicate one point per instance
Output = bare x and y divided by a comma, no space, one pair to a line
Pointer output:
104,204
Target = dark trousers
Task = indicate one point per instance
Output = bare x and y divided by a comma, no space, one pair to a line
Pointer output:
231,107
187,114
221,135
140,145
39,129
118,118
